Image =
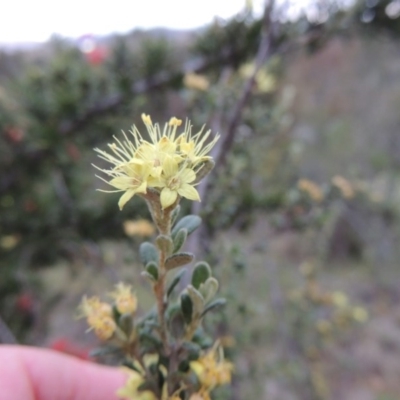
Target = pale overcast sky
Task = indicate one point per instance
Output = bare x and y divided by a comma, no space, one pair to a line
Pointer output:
37,20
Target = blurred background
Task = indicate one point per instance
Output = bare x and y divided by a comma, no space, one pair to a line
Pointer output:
301,215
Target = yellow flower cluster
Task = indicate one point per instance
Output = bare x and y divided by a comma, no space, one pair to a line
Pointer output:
212,370
99,314
338,313
312,189
168,162
131,388
99,317
125,301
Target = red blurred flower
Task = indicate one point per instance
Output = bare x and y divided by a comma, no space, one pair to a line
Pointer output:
25,303
14,134
64,345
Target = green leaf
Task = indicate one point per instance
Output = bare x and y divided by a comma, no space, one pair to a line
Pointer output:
178,260
149,339
152,269
180,239
184,366
209,288
174,282
214,305
205,168
125,322
197,300
186,307
130,365
165,244
148,252
115,313
201,272
172,310
190,222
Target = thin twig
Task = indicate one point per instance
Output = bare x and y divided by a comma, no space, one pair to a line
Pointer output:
222,148
264,50
157,82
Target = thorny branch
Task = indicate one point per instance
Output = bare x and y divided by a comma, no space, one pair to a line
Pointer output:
222,148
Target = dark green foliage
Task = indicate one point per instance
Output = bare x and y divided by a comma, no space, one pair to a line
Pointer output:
201,273
180,239
151,271
186,307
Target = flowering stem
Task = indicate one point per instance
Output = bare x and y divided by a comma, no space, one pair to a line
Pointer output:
163,223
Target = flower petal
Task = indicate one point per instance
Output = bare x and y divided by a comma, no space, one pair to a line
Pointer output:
125,198
122,182
167,197
170,166
142,188
187,175
189,192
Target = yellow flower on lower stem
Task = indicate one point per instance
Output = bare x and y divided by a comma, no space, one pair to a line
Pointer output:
345,187
202,395
212,370
131,389
125,300
176,181
99,317
312,189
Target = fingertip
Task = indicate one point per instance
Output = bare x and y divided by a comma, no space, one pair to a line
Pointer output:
49,375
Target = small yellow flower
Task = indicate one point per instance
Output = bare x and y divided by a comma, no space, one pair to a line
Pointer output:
176,182
193,147
140,227
130,178
323,326
196,81
344,186
8,242
360,314
98,316
131,389
339,299
312,189
125,300
212,370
